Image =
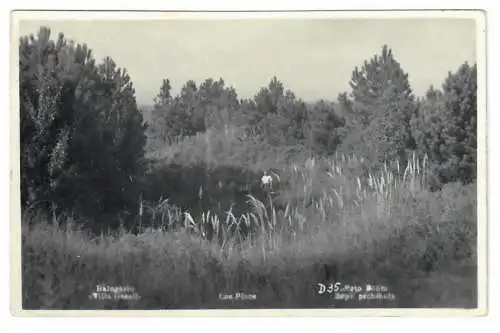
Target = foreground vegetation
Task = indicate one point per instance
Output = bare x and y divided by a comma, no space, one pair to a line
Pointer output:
386,230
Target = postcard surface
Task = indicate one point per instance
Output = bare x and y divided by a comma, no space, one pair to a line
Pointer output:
248,163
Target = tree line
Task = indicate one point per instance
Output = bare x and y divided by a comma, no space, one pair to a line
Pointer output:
380,118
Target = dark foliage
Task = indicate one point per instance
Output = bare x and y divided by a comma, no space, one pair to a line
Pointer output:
378,110
195,109
82,136
445,126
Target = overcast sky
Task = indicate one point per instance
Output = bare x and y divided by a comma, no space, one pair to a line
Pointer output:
314,57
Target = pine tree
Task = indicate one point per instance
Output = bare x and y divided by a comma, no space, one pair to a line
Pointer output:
124,131
218,104
278,115
82,136
164,96
379,109
159,126
446,126
48,80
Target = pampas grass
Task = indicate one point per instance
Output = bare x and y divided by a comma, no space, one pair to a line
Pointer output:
331,219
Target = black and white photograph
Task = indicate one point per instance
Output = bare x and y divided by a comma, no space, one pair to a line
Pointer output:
245,161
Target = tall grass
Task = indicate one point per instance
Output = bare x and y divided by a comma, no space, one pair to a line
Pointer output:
331,219
318,190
